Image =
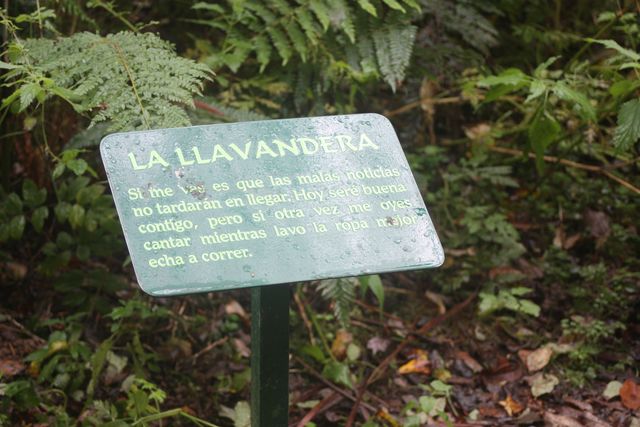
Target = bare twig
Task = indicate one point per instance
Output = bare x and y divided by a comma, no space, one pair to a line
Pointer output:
208,108
309,370
435,101
209,348
25,331
305,318
326,403
570,163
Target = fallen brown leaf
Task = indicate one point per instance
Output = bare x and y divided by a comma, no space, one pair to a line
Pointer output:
490,411
241,347
556,420
384,415
340,344
511,406
630,395
542,383
234,307
10,368
538,359
477,132
378,344
598,224
504,271
503,372
16,270
471,363
437,300
419,364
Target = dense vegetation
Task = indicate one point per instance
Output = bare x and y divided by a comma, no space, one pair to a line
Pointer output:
521,121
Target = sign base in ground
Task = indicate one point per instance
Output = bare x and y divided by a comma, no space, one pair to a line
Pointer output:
270,356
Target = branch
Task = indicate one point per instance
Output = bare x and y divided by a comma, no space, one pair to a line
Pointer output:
570,163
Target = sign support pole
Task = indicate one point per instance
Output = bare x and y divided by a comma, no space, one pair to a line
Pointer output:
270,356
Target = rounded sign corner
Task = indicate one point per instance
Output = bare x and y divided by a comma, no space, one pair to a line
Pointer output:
440,259
105,140
146,290
380,117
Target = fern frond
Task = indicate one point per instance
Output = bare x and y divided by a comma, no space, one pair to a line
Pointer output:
263,51
131,80
322,12
342,18
281,43
312,30
298,39
341,294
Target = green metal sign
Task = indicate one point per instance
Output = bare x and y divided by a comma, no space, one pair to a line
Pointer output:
227,206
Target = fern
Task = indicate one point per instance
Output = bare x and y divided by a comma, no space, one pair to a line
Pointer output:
130,80
393,45
461,35
341,293
371,37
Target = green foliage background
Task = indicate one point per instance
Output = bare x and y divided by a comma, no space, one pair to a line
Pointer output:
521,121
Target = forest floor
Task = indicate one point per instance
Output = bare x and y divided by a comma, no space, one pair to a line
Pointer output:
431,361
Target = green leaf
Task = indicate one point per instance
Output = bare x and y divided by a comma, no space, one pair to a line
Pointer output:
38,216
440,387
88,195
375,284
627,65
520,291
76,216
488,303
314,351
542,132
509,77
368,7
338,373
238,55
32,195
529,307
345,21
544,66
97,363
78,166
427,403
536,89
566,93
16,226
297,37
28,93
13,204
353,352
393,4
58,170
622,88
612,44
322,12
628,130
605,17
7,66
263,51
62,211
208,6
281,43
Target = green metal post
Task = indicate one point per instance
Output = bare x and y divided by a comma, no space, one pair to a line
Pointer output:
270,356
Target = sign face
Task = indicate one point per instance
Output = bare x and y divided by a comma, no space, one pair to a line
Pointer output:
227,206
